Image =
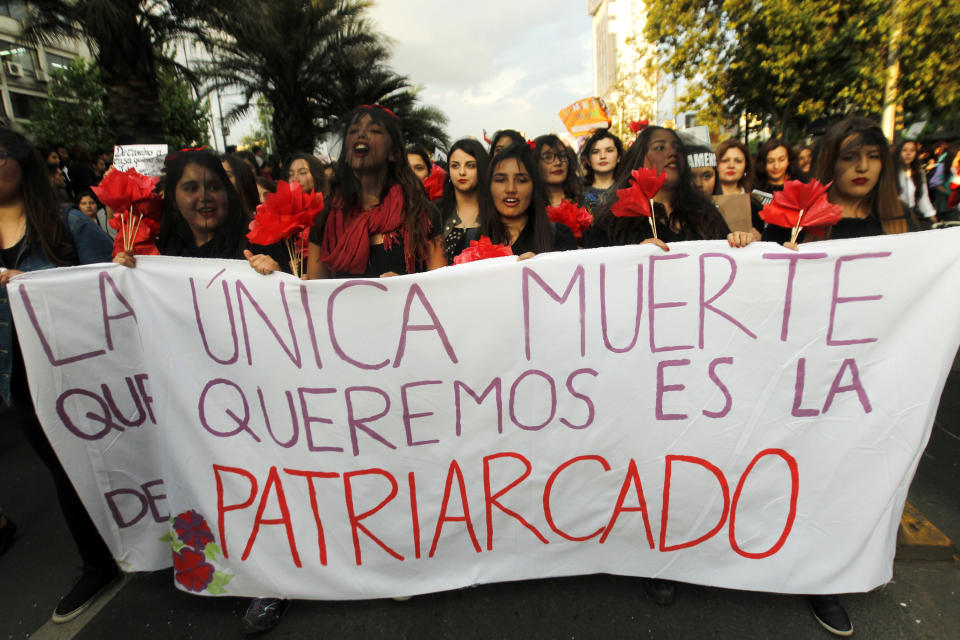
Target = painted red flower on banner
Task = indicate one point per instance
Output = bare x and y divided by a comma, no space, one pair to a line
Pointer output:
284,214
637,126
192,570
433,183
481,250
801,205
575,217
192,530
634,201
120,189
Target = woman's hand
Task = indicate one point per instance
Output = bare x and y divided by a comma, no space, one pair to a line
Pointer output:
742,238
7,275
389,274
657,241
526,256
125,259
261,263
793,246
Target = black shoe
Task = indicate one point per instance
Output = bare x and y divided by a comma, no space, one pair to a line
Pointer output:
263,614
830,614
660,591
7,533
90,584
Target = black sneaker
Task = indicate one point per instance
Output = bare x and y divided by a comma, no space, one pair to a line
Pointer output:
830,614
263,614
7,533
660,591
86,588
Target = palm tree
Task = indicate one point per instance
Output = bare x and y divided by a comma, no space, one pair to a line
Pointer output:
124,36
313,61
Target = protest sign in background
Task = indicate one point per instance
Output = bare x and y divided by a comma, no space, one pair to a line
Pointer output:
743,418
145,158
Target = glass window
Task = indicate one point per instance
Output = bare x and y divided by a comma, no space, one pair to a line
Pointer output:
13,9
56,61
24,105
24,56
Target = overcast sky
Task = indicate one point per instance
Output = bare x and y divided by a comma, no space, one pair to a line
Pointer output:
495,64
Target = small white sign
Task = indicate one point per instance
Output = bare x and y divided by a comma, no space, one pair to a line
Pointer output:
145,158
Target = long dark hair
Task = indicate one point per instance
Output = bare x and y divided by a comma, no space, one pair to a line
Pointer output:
246,182
883,201
538,227
572,188
695,216
760,166
416,207
448,205
316,171
44,222
917,174
176,238
597,136
514,136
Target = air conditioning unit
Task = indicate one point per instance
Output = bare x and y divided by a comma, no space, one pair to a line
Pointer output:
14,70
43,76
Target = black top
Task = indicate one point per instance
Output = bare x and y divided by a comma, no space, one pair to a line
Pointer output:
277,251
846,228
8,257
454,237
563,239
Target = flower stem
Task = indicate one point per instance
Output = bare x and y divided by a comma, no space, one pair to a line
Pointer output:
653,221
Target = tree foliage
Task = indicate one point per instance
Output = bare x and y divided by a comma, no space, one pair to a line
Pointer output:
792,62
124,36
313,61
73,111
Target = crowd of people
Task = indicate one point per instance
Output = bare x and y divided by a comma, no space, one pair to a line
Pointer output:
379,220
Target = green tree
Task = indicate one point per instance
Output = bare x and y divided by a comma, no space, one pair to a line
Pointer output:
124,36
73,111
185,118
792,62
312,60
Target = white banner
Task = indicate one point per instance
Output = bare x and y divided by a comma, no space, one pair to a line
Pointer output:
742,418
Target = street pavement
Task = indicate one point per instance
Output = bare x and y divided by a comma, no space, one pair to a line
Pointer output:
920,603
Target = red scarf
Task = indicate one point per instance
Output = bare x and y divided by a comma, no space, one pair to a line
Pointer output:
346,236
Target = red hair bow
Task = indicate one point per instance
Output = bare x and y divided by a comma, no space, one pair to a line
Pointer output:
377,105
639,125
532,145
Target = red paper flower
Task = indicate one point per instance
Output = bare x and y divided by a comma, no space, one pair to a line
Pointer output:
118,190
639,125
433,183
284,214
634,201
803,205
575,217
481,250
192,530
135,232
192,569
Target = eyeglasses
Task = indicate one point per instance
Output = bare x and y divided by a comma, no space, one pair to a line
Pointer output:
549,157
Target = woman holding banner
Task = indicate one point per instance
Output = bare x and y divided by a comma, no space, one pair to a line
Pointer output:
460,206
518,217
855,157
35,235
379,221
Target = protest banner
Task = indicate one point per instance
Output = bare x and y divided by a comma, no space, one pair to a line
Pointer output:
145,158
746,418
